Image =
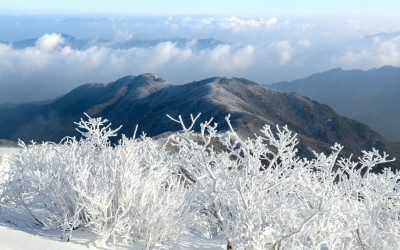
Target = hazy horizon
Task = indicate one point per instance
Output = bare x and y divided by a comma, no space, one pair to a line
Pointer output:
263,42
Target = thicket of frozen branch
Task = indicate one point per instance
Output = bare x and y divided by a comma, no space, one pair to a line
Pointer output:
256,192
261,196
127,191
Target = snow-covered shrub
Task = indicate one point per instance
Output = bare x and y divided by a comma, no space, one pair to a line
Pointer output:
261,196
256,192
3,167
129,191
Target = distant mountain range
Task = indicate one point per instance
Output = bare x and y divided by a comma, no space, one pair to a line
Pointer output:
146,99
82,44
372,97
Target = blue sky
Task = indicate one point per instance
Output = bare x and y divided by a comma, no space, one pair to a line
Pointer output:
206,7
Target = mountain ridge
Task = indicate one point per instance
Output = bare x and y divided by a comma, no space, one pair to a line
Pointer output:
147,99
368,96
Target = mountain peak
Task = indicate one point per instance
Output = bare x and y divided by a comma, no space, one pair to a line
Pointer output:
139,80
336,70
149,77
146,99
142,85
224,80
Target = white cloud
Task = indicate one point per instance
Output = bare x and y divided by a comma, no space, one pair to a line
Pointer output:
286,22
352,57
354,24
168,21
187,19
389,52
381,52
284,50
207,21
236,24
50,69
122,36
305,42
307,26
49,42
165,53
271,21
225,58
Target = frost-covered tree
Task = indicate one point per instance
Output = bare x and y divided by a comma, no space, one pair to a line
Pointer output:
130,190
256,192
260,195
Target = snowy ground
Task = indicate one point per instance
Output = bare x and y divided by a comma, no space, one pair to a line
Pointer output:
17,230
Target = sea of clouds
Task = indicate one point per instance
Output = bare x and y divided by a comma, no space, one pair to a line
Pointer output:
264,50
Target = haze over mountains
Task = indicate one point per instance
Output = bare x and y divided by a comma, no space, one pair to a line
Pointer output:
46,56
371,96
146,99
84,44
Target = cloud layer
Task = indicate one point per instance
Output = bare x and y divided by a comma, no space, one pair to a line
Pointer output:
264,50
50,67
379,52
